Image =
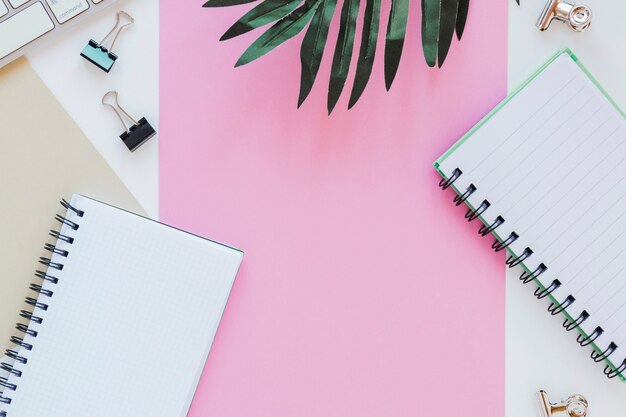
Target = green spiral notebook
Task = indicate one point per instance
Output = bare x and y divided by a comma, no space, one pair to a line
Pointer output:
545,173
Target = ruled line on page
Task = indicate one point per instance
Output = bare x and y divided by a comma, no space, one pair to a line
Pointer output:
617,274
599,273
495,149
607,303
532,134
568,192
601,234
538,148
595,168
574,207
559,182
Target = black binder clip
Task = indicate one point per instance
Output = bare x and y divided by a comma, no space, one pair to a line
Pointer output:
97,54
135,135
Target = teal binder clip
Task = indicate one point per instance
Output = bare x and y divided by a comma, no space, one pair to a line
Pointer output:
97,53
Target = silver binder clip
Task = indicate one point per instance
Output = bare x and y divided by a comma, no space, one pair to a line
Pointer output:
135,135
575,406
97,53
579,17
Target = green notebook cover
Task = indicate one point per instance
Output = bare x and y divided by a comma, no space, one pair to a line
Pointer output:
469,134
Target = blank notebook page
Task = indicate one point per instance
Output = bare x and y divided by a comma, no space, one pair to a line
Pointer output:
131,321
552,163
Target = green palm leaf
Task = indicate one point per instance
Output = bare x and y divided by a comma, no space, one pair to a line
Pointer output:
343,51
447,26
368,50
313,47
226,3
430,30
441,19
267,12
461,17
394,41
280,32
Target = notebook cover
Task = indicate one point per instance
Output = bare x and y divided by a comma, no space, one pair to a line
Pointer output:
44,157
471,132
154,292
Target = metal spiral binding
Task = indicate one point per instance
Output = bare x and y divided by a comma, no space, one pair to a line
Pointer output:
527,277
37,303
513,261
587,340
474,214
9,369
485,230
599,357
460,199
541,294
555,309
612,373
571,325
455,176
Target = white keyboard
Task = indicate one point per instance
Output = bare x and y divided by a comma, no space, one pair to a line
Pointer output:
24,24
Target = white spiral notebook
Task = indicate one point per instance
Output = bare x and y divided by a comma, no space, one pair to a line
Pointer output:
546,174
122,318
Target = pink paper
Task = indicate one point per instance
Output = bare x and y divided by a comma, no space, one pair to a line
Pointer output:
363,291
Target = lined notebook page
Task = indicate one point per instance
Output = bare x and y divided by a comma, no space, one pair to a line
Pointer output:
130,323
552,163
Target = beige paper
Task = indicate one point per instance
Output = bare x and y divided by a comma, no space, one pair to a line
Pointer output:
44,157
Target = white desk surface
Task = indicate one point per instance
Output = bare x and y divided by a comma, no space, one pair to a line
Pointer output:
80,85
540,354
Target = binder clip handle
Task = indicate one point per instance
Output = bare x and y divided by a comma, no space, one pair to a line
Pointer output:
118,28
117,108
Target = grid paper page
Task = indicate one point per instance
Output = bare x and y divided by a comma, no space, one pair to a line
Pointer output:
131,321
552,163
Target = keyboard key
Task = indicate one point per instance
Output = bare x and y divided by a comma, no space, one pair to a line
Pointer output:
65,10
23,28
18,3
3,9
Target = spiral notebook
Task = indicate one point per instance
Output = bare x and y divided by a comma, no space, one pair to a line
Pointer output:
545,172
122,318
32,188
